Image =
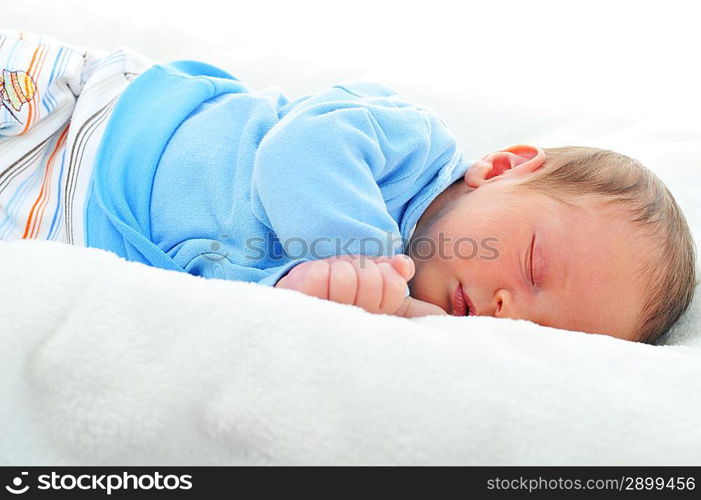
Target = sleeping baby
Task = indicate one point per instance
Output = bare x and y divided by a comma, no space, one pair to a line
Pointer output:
354,194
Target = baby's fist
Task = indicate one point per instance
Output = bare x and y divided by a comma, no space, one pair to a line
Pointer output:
377,284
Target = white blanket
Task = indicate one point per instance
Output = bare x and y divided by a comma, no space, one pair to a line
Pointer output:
104,361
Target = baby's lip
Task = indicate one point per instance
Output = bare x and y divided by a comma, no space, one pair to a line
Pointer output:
459,303
470,305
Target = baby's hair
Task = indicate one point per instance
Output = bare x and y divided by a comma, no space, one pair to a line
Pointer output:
616,178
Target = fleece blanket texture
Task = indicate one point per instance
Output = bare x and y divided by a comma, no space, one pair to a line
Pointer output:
104,361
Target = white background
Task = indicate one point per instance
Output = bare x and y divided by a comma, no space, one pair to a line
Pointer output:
628,55
623,75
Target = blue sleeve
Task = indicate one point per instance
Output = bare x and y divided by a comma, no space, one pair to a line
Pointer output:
321,174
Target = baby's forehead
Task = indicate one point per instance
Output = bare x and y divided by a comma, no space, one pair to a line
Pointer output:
637,221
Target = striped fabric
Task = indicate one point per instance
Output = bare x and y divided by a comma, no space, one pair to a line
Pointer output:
55,101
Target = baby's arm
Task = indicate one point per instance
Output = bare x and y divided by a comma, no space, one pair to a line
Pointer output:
320,173
376,284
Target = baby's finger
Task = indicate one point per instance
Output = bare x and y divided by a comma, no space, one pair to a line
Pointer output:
404,265
293,279
343,282
401,262
316,280
412,308
369,294
393,288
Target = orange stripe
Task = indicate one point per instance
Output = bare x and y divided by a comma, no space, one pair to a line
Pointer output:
35,74
31,71
46,180
45,188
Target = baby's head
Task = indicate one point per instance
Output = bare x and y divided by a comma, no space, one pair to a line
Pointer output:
574,238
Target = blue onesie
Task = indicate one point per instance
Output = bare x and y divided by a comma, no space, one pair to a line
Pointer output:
197,173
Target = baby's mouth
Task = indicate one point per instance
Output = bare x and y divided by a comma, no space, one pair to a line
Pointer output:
460,302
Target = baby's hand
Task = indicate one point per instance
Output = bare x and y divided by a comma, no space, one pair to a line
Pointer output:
377,284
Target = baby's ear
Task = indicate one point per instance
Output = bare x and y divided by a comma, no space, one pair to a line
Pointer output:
512,162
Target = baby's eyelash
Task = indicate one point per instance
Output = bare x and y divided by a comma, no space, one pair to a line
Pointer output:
530,261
